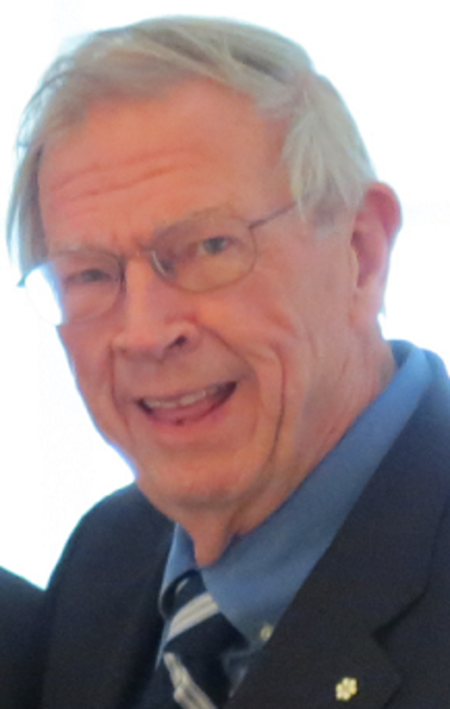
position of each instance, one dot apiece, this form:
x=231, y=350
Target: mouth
x=189, y=407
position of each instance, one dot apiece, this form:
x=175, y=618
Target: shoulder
x=117, y=533
x=122, y=511
x=15, y=592
x=426, y=437
x=20, y=603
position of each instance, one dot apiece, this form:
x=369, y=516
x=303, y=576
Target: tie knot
x=196, y=620
x=196, y=625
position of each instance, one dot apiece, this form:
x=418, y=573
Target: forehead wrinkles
x=65, y=181
x=120, y=144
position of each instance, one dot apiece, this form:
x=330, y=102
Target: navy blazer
x=370, y=628
x=20, y=649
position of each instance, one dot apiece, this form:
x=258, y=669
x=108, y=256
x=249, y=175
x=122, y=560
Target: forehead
x=182, y=148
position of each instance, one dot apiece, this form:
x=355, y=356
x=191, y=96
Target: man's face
x=222, y=400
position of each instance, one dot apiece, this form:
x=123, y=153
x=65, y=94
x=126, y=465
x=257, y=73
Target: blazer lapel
x=130, y=651
x=326, y=648
x=305, y=668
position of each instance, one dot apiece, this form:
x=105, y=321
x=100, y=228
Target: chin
x=193, y=489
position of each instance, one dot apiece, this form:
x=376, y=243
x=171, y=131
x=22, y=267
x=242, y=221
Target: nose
x=156, y=319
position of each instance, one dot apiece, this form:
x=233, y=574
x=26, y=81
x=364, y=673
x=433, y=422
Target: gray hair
x=329, y=166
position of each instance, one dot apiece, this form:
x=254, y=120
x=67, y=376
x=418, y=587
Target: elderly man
x=21, y=654
x=196, y=212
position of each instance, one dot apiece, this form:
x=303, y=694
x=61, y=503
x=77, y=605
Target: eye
x=214, y=245
x=86, y=276
x=81, y=271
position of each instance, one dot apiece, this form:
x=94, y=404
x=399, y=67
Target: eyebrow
x=142, y=243
x=55, y=253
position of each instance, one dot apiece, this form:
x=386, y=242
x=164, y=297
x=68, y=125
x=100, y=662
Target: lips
x=188, y=407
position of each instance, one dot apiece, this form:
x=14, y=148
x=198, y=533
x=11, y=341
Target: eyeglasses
x=197, y=255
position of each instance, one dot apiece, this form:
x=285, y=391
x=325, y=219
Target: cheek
x=84, y=351
x=88, y=353
x=266, y=324
x=267, y=330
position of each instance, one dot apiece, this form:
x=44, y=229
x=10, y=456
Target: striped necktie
x=190, y=672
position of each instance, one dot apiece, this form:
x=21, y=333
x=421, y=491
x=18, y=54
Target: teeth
x=186, y=400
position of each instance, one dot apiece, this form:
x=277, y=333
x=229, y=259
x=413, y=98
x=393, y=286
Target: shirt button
x=266, y=632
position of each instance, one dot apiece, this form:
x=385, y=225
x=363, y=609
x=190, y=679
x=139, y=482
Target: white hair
x=328, y=164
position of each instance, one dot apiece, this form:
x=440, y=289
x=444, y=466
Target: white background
x=391, y=61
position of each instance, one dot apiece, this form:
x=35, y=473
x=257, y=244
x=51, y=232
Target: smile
x=188, y=407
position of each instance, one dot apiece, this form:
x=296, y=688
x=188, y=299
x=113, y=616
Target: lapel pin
x=346, y=689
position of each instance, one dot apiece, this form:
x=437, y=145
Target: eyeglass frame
x=149, y=253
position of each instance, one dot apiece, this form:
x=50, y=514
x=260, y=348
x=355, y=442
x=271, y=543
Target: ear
x=374, y=230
